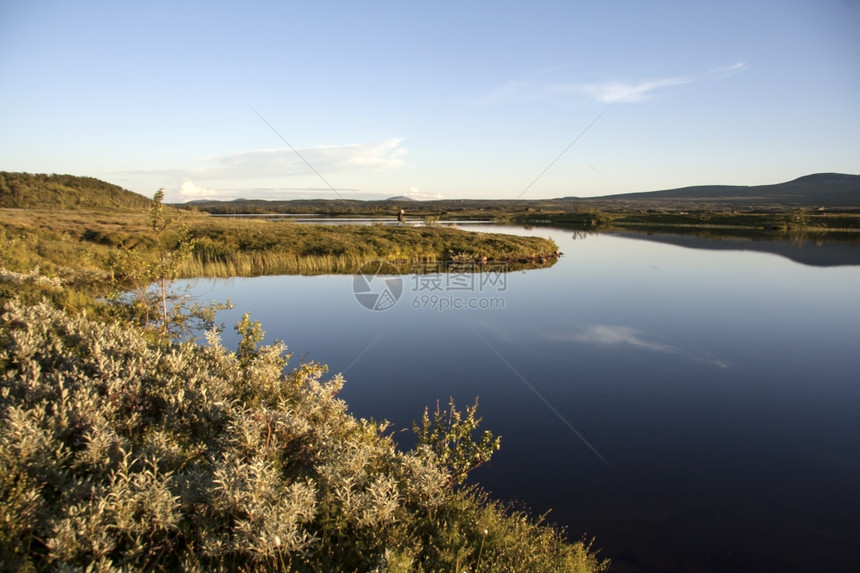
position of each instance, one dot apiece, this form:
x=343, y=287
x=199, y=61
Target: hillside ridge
x=53, y=191
x=815, y=189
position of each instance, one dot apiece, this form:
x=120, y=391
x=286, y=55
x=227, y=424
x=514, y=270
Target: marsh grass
x=68, y=242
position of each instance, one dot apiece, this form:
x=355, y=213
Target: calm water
x=693, y=409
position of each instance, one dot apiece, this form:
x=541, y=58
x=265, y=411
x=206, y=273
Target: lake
x=694, y=405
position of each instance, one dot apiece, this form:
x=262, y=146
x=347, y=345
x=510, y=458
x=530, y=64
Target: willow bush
x=120, y=452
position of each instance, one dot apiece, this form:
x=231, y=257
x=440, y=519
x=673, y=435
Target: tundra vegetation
x=127, y=445
x=123, y=452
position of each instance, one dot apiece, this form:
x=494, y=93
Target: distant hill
x=41, y=191
x=820, y=189
x=400, y=198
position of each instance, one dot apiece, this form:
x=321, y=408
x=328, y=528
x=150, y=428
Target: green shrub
x=122, y=453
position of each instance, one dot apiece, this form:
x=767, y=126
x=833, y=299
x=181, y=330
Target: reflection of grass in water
x=255, y=264
x=258, y=263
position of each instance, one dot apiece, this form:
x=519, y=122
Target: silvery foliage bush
x=119, y=453
x=32, y=278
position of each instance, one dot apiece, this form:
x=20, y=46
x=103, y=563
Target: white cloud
x=418, y=195
x=267, y=171
x=380, y=157
x=608, y=92
x=726, y=71
x=618, y=92
x=311, y=170
x=188, y=191
x=284, y=162
x=604, y=92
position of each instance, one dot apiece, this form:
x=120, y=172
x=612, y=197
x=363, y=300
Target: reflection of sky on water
x=721, y=387
x=609, y=335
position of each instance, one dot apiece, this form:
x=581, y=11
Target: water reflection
x=834, y=250
x=719, y=384
x=609, y=335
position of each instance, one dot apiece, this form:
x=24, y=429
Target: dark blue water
x=693, y=409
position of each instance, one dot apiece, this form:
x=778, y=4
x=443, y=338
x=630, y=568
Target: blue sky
x=429, y=99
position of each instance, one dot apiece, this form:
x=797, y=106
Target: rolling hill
x=820, y=189
x=41, y=191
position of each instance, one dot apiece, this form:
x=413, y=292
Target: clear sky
x=429, y=99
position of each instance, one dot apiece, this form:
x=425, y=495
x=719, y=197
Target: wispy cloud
x=284, y=162
x=607, y=92
x=223, y=176
x=726, y=71
x=617, y=335
x=614, y=91
x=620, y=92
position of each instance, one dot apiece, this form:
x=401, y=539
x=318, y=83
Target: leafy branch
x=448, y=434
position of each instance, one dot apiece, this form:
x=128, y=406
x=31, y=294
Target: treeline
x=44, y=191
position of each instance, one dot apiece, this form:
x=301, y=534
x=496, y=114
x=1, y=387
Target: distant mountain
x=820, y=189
x=400, y=198
x=41, y=191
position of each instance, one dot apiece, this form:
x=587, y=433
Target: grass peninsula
x=128, y=447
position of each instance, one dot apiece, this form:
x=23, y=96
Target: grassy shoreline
x=53, y=236
x=81, y=248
